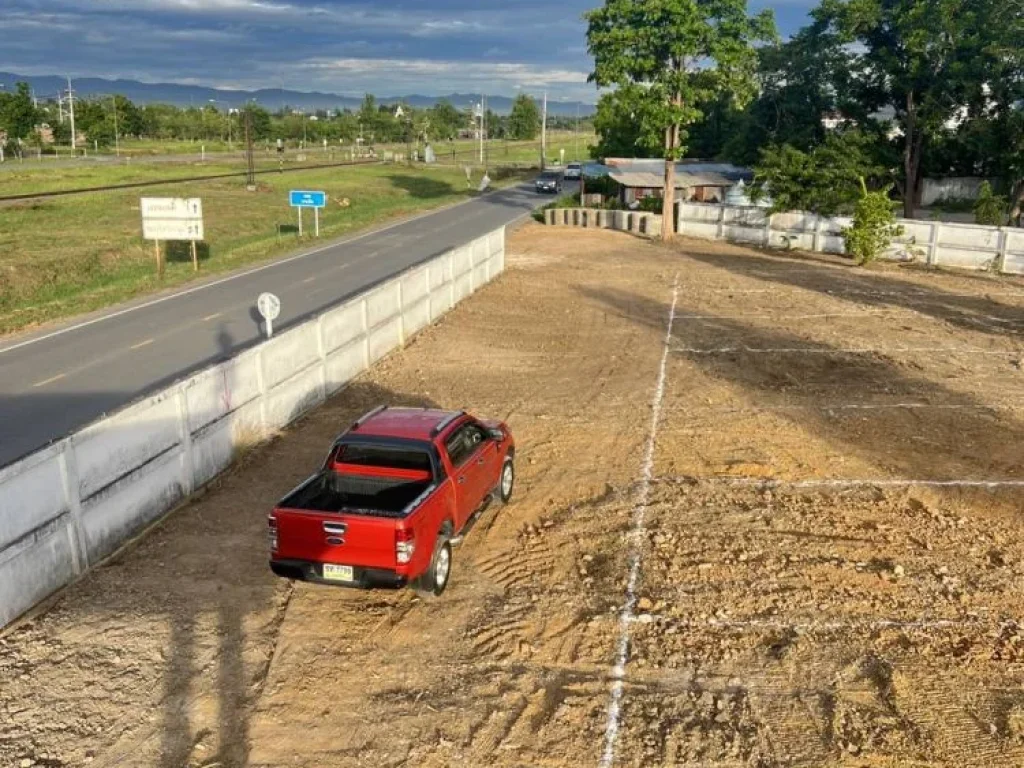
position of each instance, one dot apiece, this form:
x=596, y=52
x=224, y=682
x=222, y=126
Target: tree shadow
x=423, y=187
x=203, y=574
x=975, y=313
x=972, y=442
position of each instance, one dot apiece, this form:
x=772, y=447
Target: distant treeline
x=100, y=120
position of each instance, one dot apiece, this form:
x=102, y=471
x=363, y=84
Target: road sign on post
x=269, y=307
x=172, y=218
x=300, y=199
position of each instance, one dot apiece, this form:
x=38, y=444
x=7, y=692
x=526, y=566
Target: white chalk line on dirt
x=834, y=407
x=840, y=294
x=637, y=536
x=840, y=351
x=837, y=626
x=761, y=482
x=981, y=321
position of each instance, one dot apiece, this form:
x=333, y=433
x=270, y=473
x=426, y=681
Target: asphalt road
x=55, y=381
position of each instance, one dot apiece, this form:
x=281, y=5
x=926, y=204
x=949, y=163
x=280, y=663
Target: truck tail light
x=272, y=522
x=404, y=545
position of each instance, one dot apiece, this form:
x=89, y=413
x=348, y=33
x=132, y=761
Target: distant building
x=45, y=133
x=696, y=180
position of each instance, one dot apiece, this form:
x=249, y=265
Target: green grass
x=64, y=256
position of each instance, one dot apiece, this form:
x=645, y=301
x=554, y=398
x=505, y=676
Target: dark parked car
x=549, y=181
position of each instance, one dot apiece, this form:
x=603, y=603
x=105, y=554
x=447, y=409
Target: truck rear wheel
x=435, y=579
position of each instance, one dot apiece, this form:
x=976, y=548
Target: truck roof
x=405, y=423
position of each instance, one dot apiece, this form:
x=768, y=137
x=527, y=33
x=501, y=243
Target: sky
x=388, y=47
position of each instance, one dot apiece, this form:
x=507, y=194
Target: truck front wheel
x=507, y=481
x=434, y=581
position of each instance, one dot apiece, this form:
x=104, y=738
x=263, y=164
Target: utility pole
x=71, y=108
x=544, y=133
x=482, y=98
x=577, y=137
x=117, y=139
x=60, y=107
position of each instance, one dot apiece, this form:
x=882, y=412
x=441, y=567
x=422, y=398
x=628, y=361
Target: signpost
x=172, y=218
x=269, y=307
x=302, y=199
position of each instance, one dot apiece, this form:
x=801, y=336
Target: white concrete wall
x=68, y=506
x=953, y=188
x=967, y=246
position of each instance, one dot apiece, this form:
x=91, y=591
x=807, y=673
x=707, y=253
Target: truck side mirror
x=496, y=434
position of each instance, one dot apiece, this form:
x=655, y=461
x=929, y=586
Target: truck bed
x=335, y=491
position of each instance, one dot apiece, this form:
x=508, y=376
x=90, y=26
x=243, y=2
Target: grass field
x=35, y=176
x=69, y=255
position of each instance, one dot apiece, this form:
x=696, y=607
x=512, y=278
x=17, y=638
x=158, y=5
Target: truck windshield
x=387, y=456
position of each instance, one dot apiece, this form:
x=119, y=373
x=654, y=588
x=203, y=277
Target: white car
x=573, y=172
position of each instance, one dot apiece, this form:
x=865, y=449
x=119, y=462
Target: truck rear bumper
x=364, y=578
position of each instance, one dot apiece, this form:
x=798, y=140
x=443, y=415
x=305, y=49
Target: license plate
x=338, y=572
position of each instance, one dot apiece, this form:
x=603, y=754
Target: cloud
x=390, y=48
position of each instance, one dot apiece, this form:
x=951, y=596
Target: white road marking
x=52, y=379
x=855, y=292
x=142, y=344
x=238, y=275
x=214, y=316
x=637, y=535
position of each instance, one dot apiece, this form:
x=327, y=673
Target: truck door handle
x=335, y=528
x=480, y=462
x=462, y=479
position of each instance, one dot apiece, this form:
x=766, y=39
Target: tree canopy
x=675, y=56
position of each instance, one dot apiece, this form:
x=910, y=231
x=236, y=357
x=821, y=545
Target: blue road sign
x=300, y=199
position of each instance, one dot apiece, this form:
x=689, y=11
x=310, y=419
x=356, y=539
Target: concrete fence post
x=321, y=351
x=261, y=385
x=768, y=229
x=933, y=244
x=720, y=235
x=1002, y=250
x=366, y=328
x=69, y=481
x=819, y=225
x=549, y=217
x=188, y=472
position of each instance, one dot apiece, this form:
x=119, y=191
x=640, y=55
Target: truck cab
x=396, y=489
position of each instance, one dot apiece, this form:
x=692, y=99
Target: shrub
x=991, y=209
x=874, y=226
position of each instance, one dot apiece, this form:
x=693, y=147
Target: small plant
x=874, y=226
x=991, y=209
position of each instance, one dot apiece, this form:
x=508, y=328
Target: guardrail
x=67, y=507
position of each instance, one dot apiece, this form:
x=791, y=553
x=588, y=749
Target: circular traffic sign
x=269, y=306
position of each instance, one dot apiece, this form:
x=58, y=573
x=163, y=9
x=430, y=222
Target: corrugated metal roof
x=646, y=179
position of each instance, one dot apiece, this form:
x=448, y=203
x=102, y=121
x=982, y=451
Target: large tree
x=918, y=61
x=620, y=116
x=677, y=55
x=18, y=114
x=524, y=122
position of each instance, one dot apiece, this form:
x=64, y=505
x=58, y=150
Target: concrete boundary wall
x=967, y=246
x=66, y=507
x=637, y=222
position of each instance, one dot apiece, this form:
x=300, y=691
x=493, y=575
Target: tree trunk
x=911, y=160
x=1017, y=205
x=668, y=227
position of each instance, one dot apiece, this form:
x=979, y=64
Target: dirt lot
x=816, y=477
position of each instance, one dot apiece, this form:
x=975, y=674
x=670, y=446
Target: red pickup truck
x=397, y=489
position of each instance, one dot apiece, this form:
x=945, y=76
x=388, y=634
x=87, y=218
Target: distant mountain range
x=48, y=86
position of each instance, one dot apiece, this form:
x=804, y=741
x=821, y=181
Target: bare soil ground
x=812, y=591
